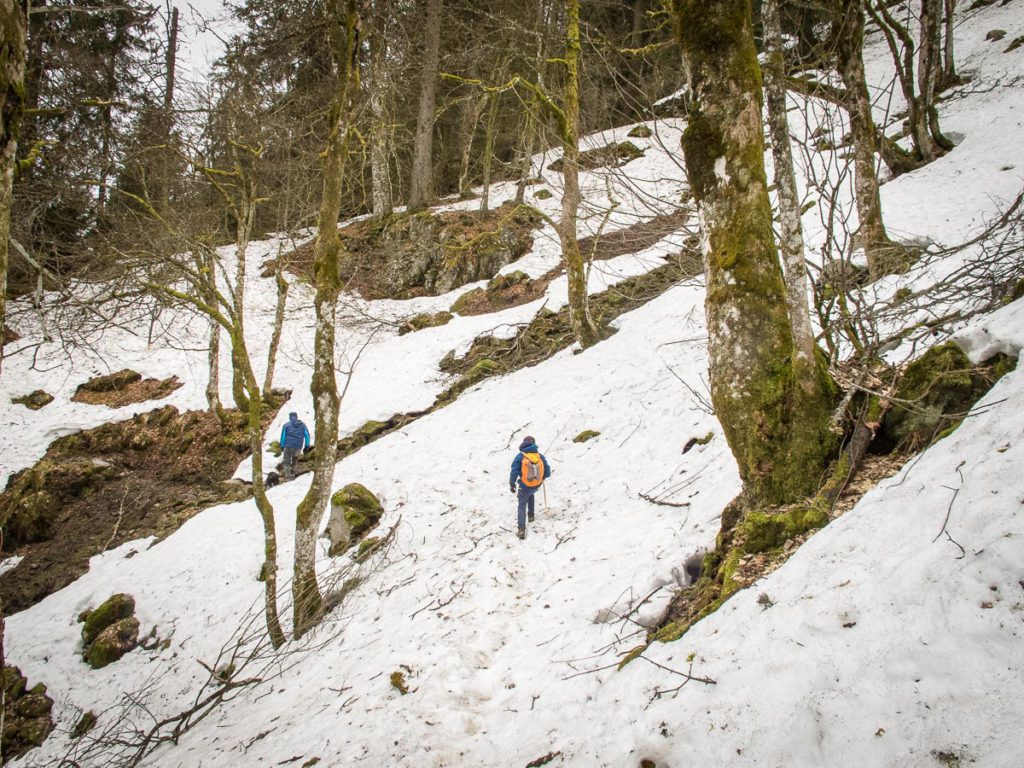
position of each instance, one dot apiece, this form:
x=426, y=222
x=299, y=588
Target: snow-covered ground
x=880, y=642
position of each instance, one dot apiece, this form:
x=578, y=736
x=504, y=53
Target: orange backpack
x=533, y=470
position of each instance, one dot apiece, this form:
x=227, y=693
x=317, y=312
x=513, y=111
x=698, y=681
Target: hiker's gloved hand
x=512, y=488
x=306, y=450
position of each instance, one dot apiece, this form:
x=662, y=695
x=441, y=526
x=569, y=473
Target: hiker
x=294, y=438
x=529, y=470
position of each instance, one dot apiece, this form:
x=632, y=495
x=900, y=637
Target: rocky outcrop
x=27, y=714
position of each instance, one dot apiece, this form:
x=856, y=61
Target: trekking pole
x=545, y=488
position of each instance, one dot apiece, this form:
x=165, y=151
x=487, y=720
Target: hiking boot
x=529, y=517
x=522, y=533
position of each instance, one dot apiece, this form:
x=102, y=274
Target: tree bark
x=13, y=25
x=791, y=236
x=213, y=382
x=929, y=68
x=949, y=73
x=582, y=324
x=774, y=410
x=343, y=30
x=421, y=192
x=380, y=131
x=848, y=34
x=489, y=132
x=275, y=336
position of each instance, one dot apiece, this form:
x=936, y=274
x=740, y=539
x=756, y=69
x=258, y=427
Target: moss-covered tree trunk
x=949, y=74
x=848, y=36
x=421, y=181
x=583, y=327
x=275, y=336
x=791, y=236
x=773, y=409
x=13, y=26
x=343, y=31
x=490, y=129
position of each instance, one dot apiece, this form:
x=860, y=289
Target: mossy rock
x=935, y=393
x=761, y=532
x=467, y=299
x=114, y=609
x=640, y=132
x=274, y=446
x=34, y=400
x=609, y=156
x=543, y=194
x=1017, y=43
x=35, y=497
x=481, y=370
x=85, y=724
x=112, y=382
x=398, y=682
x=425, y=320
x=113, y=643
x=369, y=430
x=502, y=282
x=360, y=508
x=27, y=714
x=585, y=435
x=366, y=548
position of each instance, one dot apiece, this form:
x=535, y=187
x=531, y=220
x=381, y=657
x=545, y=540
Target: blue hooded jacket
x=294, y=434
x=517, y=465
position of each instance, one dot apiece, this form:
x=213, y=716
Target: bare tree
x=343, y=25
x=791, y=238
x=421, y=190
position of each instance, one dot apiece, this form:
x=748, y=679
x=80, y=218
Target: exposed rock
x=353, y=508
x=124, y=388
x=935, y=393
x=612, y=155
x=26, y=716
x=585, y=435
x=1017, y=43
x=112, y=382
x=425, y=253
x=425, y=320
x=640, y=132
x=508, y=280
x=113, y=643
x=34, y=400
x=35, y=497
x=995, y=35
x=467, y=299
x=543, y=194
x=85, y=724
x=112, y=610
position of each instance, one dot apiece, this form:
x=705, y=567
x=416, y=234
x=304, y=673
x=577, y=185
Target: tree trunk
x=471, y=109
x=12, y=106
x=929, y=68
x=275, y=336
x=490, y=130
x=776, y=422
x=848, y=34
x=791, y=236
x=380, y=130
x=421, y=192
x=949, y=74
x=582, y=324
x=213, y=382
x=343, y=31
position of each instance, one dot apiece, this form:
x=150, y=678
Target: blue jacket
x=517, y=465
x=294, y=434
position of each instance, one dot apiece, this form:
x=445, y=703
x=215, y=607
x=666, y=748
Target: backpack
x=533, y=470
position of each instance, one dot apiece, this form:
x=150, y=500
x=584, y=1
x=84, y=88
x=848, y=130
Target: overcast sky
x=197, y=50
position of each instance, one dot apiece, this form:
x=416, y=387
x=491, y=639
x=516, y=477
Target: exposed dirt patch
x=99, y=488
x=123, y=388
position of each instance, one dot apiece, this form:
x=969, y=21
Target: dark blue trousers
x=526, y=502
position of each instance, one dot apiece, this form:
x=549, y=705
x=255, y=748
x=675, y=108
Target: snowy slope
x=885, y=642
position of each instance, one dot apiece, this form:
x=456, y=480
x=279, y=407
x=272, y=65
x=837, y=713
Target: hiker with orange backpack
x=529, y=470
